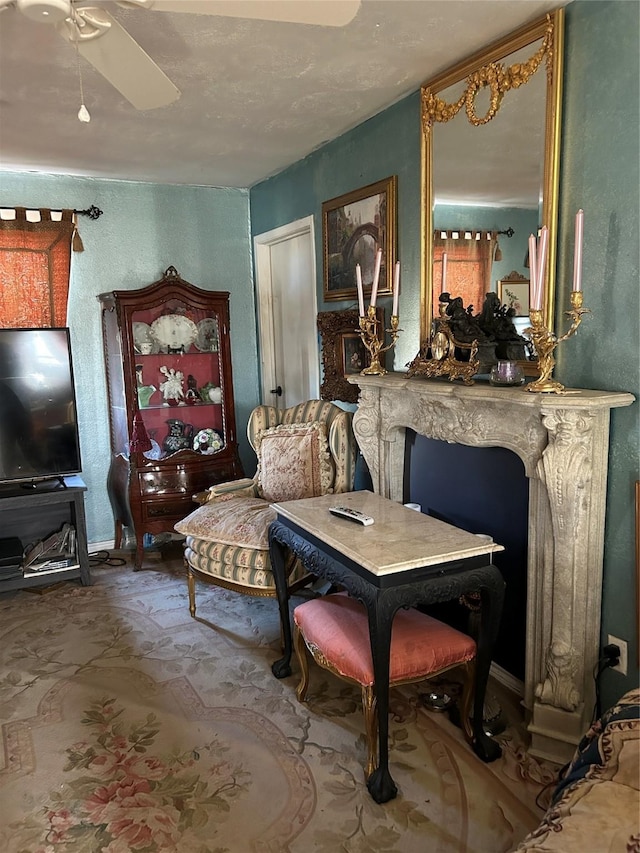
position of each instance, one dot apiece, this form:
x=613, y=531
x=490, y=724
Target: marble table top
x=399, y=539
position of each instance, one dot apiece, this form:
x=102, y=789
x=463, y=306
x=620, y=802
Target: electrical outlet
x=622, y=665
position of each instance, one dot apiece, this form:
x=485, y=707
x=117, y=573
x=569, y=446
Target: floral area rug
x=129, y=726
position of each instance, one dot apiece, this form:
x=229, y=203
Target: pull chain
x=83, y=112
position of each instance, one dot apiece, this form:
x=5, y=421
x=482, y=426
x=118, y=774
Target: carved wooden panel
x=343, y=353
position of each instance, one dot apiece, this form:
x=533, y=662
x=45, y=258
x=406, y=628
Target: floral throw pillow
x=294, y=462
x=242, y=522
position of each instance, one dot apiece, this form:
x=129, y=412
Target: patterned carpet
x=129, y=726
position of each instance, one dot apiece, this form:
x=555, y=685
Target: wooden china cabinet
x=171, y=408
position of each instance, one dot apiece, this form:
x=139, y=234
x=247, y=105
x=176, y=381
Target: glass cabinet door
x=178, y=378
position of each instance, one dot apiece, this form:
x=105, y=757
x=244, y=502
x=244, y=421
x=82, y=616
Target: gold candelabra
x=375, y=345
x=545, y=342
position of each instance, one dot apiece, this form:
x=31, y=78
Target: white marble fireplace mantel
x=563, y=441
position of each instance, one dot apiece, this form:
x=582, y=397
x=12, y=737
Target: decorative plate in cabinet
x=174, y=332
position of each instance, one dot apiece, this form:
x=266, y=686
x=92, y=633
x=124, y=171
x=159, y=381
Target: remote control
x=351, y=515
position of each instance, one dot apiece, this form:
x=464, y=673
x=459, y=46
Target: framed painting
x=513, y=292
x=354, y=354
x=343, y=353
x=354, y=227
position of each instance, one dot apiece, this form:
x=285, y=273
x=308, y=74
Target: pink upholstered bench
x=335, y=630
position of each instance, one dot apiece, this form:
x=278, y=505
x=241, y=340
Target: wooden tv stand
x=33, y=512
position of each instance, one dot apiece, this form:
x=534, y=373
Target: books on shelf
x=54, y=554
x=51, y=561
x=49, y=567
x=57, y=553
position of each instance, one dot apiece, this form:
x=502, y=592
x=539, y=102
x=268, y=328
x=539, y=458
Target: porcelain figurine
x=145, y=392
x=172, y=387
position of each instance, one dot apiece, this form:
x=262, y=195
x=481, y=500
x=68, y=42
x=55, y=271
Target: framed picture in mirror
x=513, y=293
x=354, y=227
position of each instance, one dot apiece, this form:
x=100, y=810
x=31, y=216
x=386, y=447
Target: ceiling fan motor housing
x=46, y=11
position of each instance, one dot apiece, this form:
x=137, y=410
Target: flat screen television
x=38, y=417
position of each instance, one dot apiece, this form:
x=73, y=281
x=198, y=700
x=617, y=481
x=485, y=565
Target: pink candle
x=542, y=261
x=360, y=290
x=577, y=251
x=533, y=272
x=376, y=276
x=396, y=289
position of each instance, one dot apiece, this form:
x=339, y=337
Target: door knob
x=277, y=391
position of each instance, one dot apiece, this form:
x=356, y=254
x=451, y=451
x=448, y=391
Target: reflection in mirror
x=512, y=294
x=490, y=145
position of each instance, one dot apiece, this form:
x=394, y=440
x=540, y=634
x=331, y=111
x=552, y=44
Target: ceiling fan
x=103, y=42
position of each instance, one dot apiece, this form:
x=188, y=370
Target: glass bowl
x=506, y=373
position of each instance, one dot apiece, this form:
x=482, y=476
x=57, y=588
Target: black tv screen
x=38, y=420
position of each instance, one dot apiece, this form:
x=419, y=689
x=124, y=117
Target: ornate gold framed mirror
x=490, y=163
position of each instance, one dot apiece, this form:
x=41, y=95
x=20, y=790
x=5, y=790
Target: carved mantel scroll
x=563, y=443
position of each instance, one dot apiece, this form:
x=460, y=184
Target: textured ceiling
x=256, y=95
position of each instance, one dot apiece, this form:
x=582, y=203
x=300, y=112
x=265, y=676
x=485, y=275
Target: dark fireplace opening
x=482, y=490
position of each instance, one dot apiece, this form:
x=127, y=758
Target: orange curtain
x=35, y=262
x=469, y=261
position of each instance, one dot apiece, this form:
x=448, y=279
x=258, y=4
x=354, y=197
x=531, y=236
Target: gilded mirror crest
x=490, y=151
x=497, y=77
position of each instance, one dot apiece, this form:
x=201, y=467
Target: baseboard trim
x=507, y=680
x=107, y=545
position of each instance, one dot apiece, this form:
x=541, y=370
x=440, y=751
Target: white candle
x=376, y=276
x=396, y=289
x=360, y=290
x=533, y=272
x=577, y=252
x=542, y=261
x=444, y=273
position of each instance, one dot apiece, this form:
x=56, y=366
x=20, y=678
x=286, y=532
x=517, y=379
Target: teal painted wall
x=600, y=174
x=388, y=144
x=145, y=228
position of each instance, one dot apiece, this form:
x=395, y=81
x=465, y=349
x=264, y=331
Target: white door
x=287, y=311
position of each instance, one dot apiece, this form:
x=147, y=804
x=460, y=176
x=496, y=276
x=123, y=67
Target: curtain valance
x=35, y=262
x=464, y=234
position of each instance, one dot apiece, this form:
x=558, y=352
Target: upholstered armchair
x=304, y=451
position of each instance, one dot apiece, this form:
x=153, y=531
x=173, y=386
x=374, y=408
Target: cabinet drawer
x=180, y=481
x=157, y=510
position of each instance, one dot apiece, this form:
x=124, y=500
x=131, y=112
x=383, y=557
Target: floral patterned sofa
x=303, y=451
x=596, y=805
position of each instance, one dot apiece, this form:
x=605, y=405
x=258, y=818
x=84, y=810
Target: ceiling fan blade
x=122, y=62
x=327, y=13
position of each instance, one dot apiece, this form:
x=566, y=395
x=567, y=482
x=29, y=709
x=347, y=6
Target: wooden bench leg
x=191, y=585
x=370, y=711
x=300, y=648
